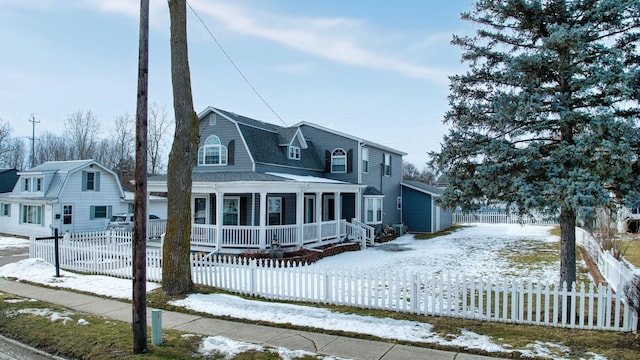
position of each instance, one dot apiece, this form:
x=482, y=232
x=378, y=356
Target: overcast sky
x=376, y=69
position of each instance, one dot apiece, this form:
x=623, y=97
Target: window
x=5, y=209
x=294, y=152
x=67, y=213
x=26, y=184
x=373, y=210
x=213, y=152
x=338, y=161
x=100, y=212
x=213, y=119
x=399, y=203
x=386, y=166
x=31, y=214
x=200, y=210
x=274, y=208
x=38, y=184
x=365, y=160
x=309, y=209
x=231, y=211
x=90, y=181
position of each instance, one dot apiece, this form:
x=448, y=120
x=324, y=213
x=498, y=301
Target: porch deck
x=233, y=239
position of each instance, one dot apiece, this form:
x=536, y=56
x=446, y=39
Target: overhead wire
x=224, y=52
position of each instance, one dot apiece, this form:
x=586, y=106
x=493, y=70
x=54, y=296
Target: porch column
x=219, y=217
x=319, y=215
x=263, y=220
x=358, y=204
x=337, y=209
x=300, y=218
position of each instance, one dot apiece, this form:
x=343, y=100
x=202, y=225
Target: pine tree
x=544, y=118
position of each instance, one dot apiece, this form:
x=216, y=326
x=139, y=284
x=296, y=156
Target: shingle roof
x=59, y=166
x=423, y=187
x=372, y=191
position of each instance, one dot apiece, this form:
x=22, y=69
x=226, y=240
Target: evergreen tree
x=544, y=119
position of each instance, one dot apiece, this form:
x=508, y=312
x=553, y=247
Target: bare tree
x=159, y=126
x=82, y=130
x=5, y=139
x=12, y=150
x=176, y=267
x=52, y=147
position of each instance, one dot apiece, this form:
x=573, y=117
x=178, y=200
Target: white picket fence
x=488, y=299
x=616, y=272
x=500, y=218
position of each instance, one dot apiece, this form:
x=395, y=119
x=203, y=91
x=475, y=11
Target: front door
x=66, y=221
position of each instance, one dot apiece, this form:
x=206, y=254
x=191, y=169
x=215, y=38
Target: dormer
x=293, y=140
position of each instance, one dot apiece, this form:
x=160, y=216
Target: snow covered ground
x=473, y=250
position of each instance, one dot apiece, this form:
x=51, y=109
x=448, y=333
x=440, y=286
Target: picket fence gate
x=519, y=301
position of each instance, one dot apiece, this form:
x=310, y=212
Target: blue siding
x=227, y=132
x=417, y=210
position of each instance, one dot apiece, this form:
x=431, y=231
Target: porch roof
x=256, y=182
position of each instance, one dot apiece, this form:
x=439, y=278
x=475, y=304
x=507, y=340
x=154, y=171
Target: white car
x=124, y=221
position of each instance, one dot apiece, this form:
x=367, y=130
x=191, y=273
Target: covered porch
x=272, y=211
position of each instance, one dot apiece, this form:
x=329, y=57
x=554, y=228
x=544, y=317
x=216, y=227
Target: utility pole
x=33, y=139
x=139, y=325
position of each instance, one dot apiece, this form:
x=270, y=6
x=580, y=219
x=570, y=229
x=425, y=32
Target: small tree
x=82, y=128
x=605, y=231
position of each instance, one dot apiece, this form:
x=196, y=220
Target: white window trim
x=335, y=154
x=223, y=158
x=237, y=199
x=386, y=169
x=269, y=200
x=294, y=152
x=5, y=209
x=365, y=160
x=376, y=200
x=25, y=213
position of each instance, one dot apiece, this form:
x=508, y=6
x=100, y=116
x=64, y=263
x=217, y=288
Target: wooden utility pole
x=139, y=324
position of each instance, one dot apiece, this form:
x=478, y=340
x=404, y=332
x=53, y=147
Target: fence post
x=414, y=293
x=56, y=251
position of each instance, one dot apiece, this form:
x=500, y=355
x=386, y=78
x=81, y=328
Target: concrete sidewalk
x=322, y=344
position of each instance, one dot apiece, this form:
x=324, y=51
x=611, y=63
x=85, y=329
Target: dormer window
x=338, y=161
x=26, y=184
x=212, y=153
x=294, y=152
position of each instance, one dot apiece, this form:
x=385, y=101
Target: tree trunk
x=176, y=264
x=567, y=246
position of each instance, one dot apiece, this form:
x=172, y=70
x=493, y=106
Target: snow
x=475, y=251
x=472, y=250
x=7, y=242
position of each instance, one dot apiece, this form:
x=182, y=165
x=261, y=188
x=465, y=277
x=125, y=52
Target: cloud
x=338, y=39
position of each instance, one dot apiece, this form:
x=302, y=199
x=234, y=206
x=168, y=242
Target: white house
x=72, y=196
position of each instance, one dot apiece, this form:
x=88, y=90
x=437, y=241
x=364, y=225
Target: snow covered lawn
x=473, y=250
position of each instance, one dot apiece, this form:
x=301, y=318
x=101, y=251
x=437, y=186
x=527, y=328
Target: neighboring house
x=257, y=183
x=68, y=195
x=8, y=179
x=156, y=205
x=420, y=213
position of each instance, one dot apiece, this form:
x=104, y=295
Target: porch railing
x=370, y=232
x=238, y=238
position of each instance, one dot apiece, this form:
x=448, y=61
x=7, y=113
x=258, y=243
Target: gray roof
x=372, y=191
x=424, y=187
x=59, y=166
x=264, y=147
x=227, y=176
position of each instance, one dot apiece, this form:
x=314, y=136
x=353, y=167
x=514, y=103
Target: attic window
x=294, y=152
x=212, y=119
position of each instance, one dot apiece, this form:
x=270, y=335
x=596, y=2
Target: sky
x=375, y=69
x=447, y=248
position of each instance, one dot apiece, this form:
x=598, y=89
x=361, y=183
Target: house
x=8, y=179
x=257, y=184
x=71, y=196
x=420, y=213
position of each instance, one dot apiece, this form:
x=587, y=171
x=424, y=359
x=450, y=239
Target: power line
x=234, y=65
x=33, y=139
